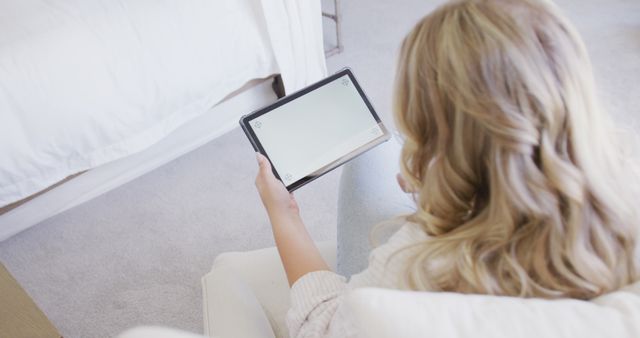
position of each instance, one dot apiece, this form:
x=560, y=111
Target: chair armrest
x=251, y=288
x=231, y=309
x=369, y=194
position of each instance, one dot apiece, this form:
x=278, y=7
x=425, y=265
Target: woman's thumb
x=263, y=163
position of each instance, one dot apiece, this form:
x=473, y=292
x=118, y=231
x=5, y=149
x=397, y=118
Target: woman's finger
x=265, y=173
x=262, y=161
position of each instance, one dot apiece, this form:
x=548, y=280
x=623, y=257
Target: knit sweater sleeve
x=314, y=300
x=316, y=296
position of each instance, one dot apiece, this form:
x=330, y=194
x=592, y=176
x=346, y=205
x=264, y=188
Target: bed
x=94, y=93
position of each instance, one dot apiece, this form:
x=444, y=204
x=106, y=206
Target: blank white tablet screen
x=308, y=133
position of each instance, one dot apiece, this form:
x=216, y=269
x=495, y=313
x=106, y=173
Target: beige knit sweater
x=315, y=296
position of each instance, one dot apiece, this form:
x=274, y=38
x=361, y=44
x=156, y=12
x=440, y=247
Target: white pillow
x=383, y=313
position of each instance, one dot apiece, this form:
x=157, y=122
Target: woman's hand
x=275, y=197
x=298, y=253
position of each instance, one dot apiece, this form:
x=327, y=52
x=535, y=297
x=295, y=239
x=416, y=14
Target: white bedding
x=85, y=82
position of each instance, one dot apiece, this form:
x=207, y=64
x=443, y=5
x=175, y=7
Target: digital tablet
x=315, y=130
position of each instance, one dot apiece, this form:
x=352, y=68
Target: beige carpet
x=135, y=255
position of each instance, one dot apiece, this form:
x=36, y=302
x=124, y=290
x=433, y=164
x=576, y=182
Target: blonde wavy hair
x=517, y=180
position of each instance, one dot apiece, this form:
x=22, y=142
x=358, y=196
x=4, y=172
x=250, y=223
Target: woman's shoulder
x=407, y=233
x=387, y=261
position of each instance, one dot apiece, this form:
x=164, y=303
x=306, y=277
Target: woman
x=519, y=188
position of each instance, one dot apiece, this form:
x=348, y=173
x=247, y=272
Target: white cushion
x=247, y=290
x=383, y=313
